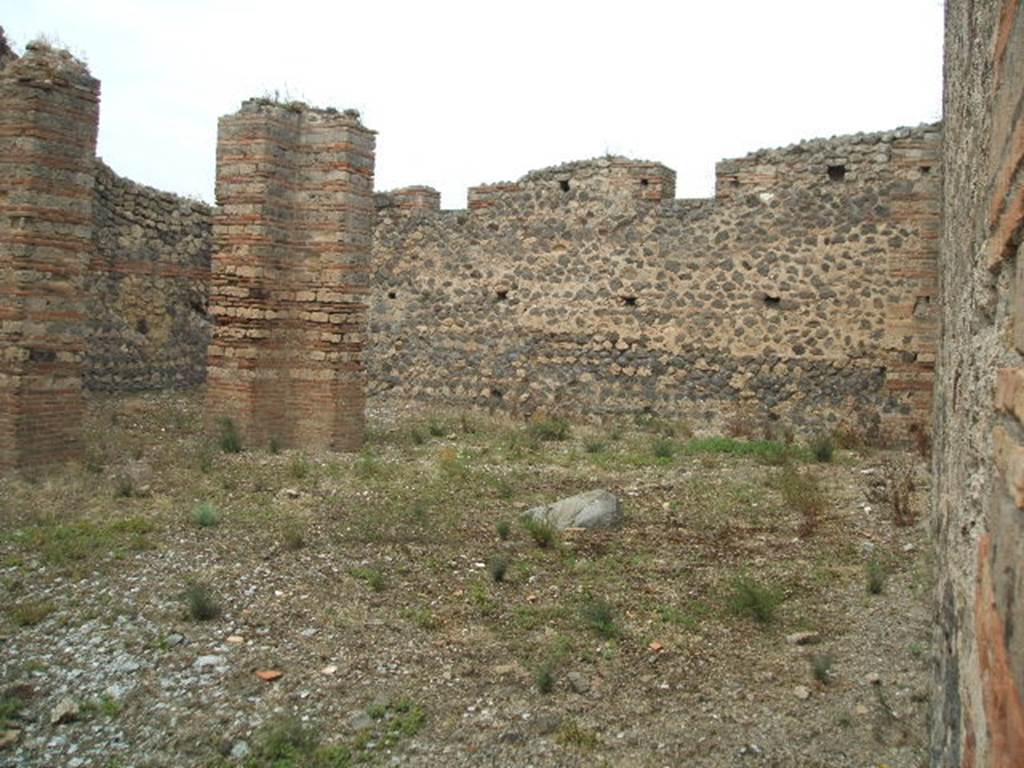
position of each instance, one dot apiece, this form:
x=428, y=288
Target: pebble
x=235, y=639
x=360, y=721
x=174, y=639
x=873, y=678
x=240, y=750
x=65, y=712
x=578, y=682
x=803, y=638
x=802, y=692
x=208, y=662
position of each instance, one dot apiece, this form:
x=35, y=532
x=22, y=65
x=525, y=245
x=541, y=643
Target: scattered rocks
x=593, y=509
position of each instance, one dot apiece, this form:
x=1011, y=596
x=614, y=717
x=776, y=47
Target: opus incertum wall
x=802, y=294
x=48, y=120
x=978, y=491
x=290, y=274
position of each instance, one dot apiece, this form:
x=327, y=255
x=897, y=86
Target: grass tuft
x=542, y=532
x=201, y=603
x=206, y=515
x=504, y=529
x=822, y=447
x=498, y=567
x=875, y=576
x=750, y=599
x=230, y=440
x=549, y=429
x=599, y=615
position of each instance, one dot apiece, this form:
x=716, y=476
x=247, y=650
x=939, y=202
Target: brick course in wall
x=803, y=293
x=290, y=274
x=978, y=490
x=47, y=144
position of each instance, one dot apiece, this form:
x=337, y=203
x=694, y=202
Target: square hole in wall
x=628, y=301
x=836, y=172
x=644, y=183
x=564, y=185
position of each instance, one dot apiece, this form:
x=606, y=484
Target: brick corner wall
x=49, y=107
x=290, y=274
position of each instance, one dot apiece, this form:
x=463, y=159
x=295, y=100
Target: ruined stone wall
x=48, y=121
x=147, y=287
x=802, y=293
x=978, y=488
x=290, y=274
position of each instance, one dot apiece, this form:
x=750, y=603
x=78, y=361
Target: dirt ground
x=146, y=594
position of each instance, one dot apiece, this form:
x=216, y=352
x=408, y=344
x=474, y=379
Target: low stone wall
x=978, y=718
x=147, y=288
x=800, y=294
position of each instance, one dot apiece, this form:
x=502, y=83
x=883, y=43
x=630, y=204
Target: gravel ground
x=362, y=585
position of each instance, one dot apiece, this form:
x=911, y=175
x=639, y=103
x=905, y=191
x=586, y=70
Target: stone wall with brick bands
x=48, y=125
x=290, y=274
x=978, y=490
x=798, y=295
x=147, y=287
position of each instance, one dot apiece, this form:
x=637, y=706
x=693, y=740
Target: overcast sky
x=463, y=93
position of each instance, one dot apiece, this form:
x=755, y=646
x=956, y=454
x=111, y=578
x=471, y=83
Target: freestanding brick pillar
x=290, y=274
x=49, y=109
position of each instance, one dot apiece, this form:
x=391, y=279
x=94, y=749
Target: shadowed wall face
x=290, y=274
x=47, y=144
x=979, y=415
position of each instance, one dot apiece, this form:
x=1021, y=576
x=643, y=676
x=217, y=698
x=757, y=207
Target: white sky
x=463, y=93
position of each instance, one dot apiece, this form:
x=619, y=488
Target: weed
x=748, y=598
x=124, y=487
x=900, y=485
x=504, y=528
x=801, y=492
x=83, y=541
x=663, y=448
x=274, y=446
x=544, y=676
x=230, y=440
x=416, y=437
x=206, y=515
x=293, y=535
x=822, y=448
x=105, y=706
x=10, y=706
x=594, y=446
x=599, y=615
x=843, y=719
x=436, y=428
x=398, y=719
x=30, y=614
x=498, y=567
x=299, y=468
x=548, y=429
x=572, y=734
x=424, y=618
x=875, y=575
x=542, y=532
x=688, y=619
x=201, y=603
x=373, y=577
x=204, y=458
x=821, y=668
x=766, y=450
x=484, y=603
x=284, y=739
x=367, y=466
